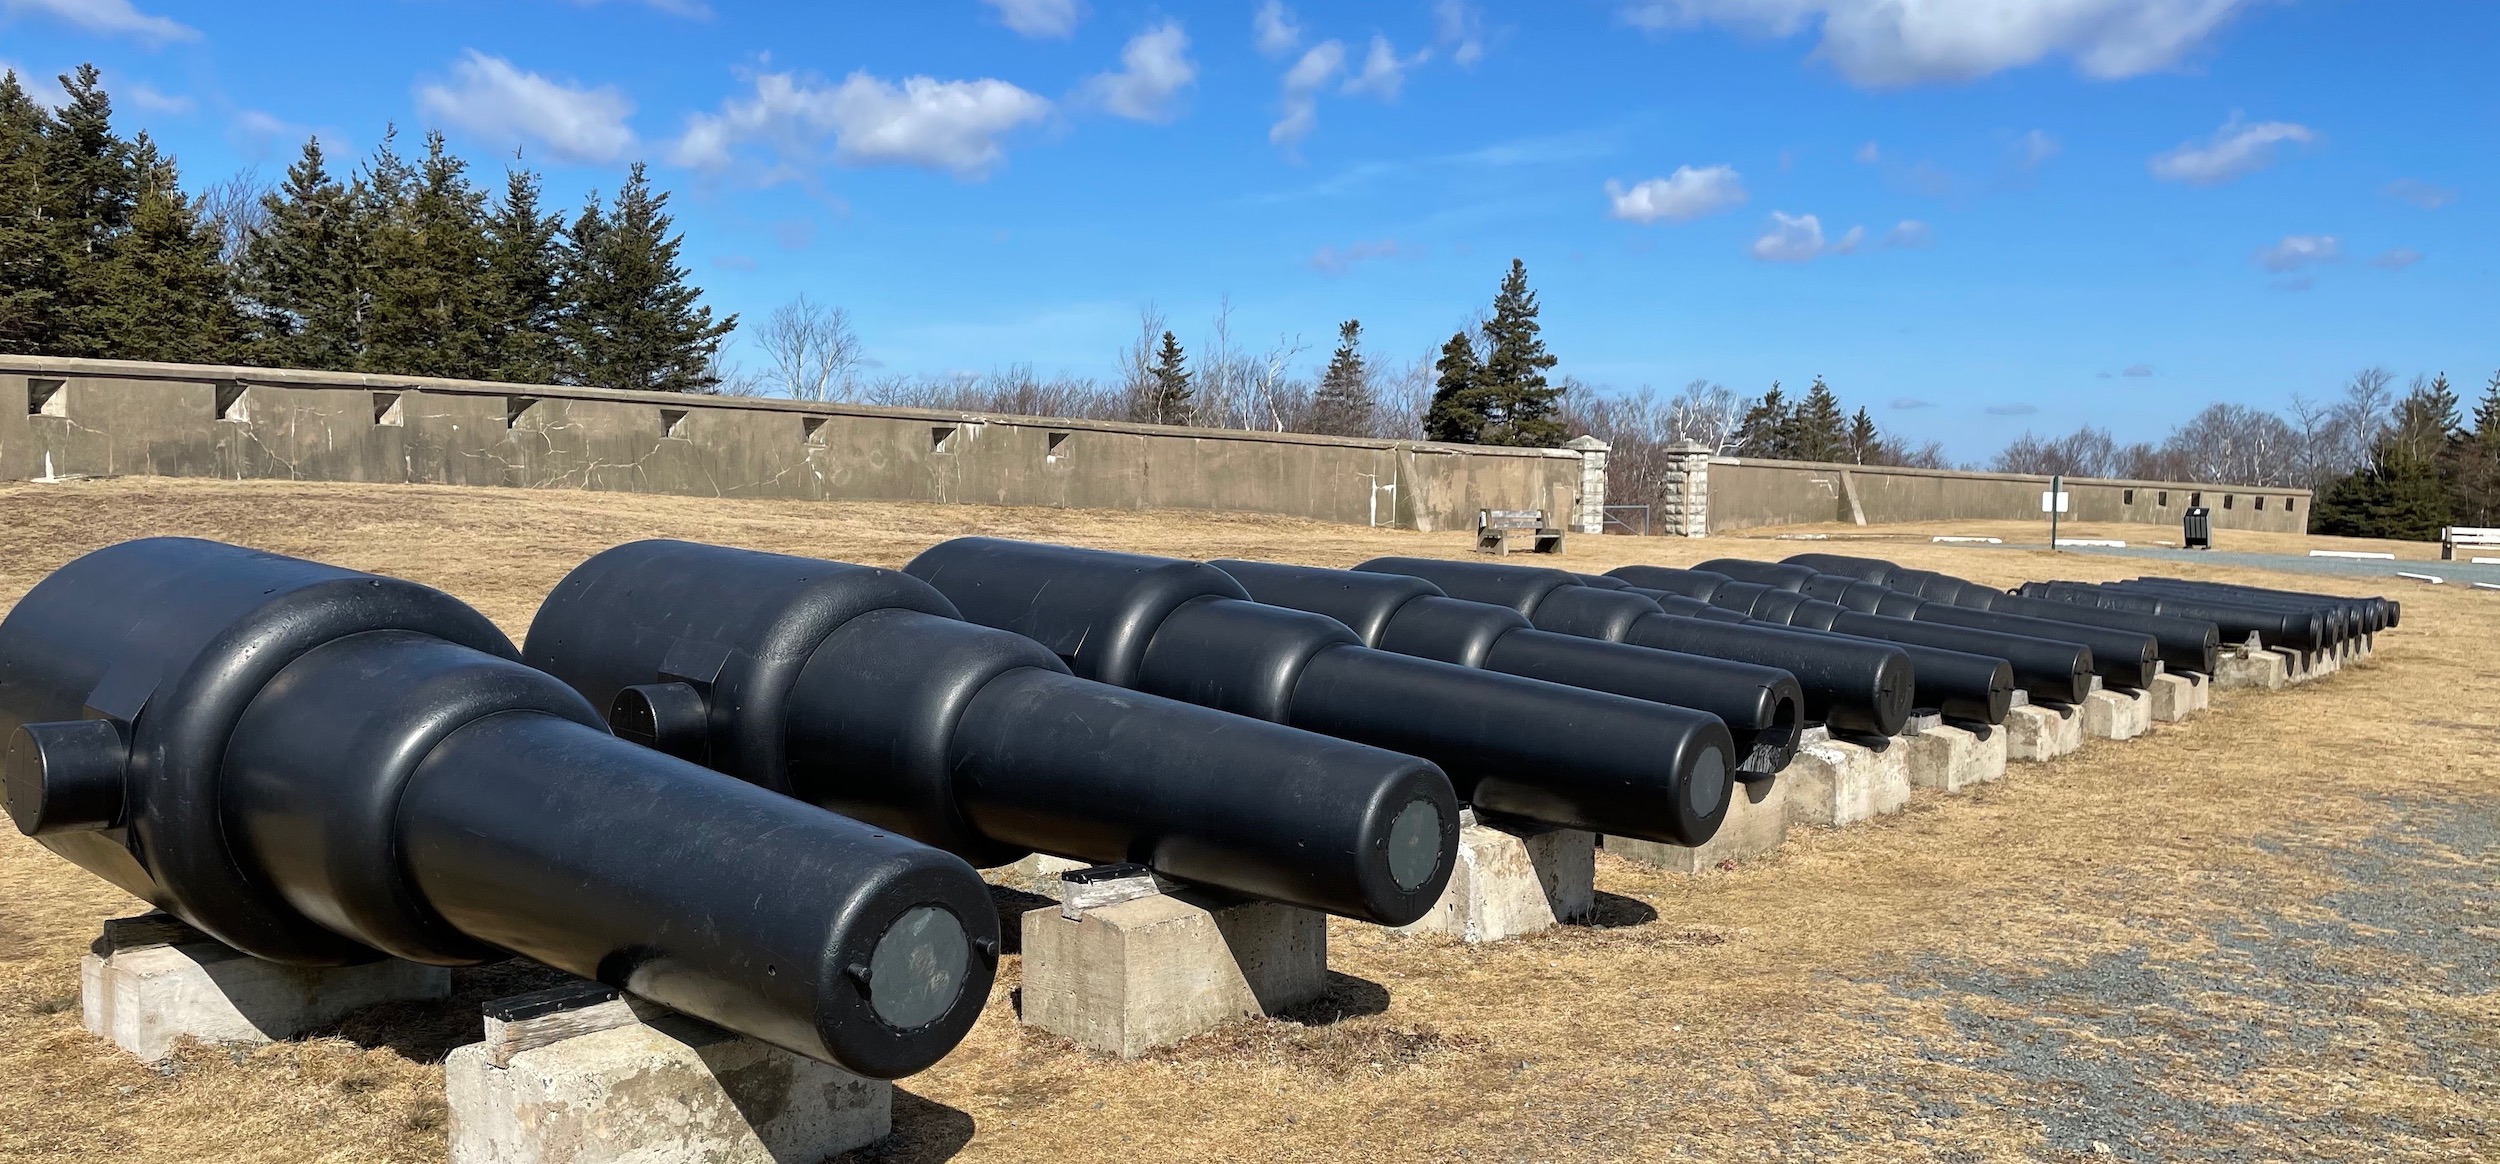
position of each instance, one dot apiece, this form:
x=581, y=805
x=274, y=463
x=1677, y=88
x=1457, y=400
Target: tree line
x=2382, y=463
x=402, y=266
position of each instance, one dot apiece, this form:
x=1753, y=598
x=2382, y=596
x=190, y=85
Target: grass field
x=2268, y=933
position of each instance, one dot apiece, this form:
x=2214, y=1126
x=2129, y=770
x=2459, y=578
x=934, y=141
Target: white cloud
x=1908, y=42
x=1459, y=27
x=1848, y=244
x=1300, y=98
x=2397, y=259
x=945, y=125
x=2420, y=193
x=1682, y=196
x=1056, y=19
x=2033, y=150
x=2137, y=370
x=1332, y=261
x=490, y=96
x=1790, y=239
x=1909, y=234
x=1154, y=68
x=1384, y=71
x=1870, y=153
x=148, y=100
x=1274, y=29
x=2236, y=149
x=2300, y=250
x=107, y=17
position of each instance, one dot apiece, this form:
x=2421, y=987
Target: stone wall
x=1745, y=493
x=66, y=419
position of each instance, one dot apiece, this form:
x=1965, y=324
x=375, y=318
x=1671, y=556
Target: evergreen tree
x=631, y=320
x=2398, y=495
x=1456, y=415
x=2477, y=489
x=29, y=275
x=91, y=186
x=1168, y=393
x=425, y=233
x=1866, y=444
x=1518, y=406
x=1344, y=403
x=162, y=291
x=302, y=274
x=1767, y=425
x=1818, y=431
x=524, y=302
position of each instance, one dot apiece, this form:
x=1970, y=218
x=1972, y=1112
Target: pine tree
x=1344, y=404
x=1168, y=393
x=2477, y=490
x=1866, y=444
x=425, y=230
x=2398, y=495
x=1456, y=415
x=163, y=292
x=631, y=320
x=524, y=302
x=1767, y=425
x=1518, y=405
x=302, y=275
x=29, y=278
x=1818, y=431
x=93, y=187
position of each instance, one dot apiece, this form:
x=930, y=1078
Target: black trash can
x=2197, y=528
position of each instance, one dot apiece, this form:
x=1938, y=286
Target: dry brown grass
x=2265, y=934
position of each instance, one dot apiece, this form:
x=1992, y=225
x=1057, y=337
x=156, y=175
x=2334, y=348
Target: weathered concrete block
x=1036, y=873
x=2173, y=698
x=1127, y=978
x=144, y=992
x=2038, y=733
x=662, y=1089
x=1836, y=783
x=1756, y=823
x=2303, y=666
x=2244, y=667
x=2110, y=714
x=1513, y=878
x=1952, y=758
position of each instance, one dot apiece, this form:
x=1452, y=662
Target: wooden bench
x=2469, y=536
x=1496, y=527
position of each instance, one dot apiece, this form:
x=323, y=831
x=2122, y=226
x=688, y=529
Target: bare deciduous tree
x=815, y=353
x=234, y=208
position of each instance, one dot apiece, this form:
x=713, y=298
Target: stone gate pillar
x=1685, y=497
x=1590, y=515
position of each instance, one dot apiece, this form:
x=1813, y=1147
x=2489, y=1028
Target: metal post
x=2057, y=490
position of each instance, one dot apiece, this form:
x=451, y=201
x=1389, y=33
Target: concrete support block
x=1036, y=873
x=2247, y=667
x=1951, y=758
x=1756, y=823
x=1513, y=878
x=2174, y=697
x=2038, y=733
x=2110, y=714
x=655, y=1087
x=1836, y=783
x=1127, y=978
x=152, y=980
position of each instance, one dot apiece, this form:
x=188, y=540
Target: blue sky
x=1984, y=216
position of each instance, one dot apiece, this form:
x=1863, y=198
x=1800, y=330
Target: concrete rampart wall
x=72, y=418
x=1745, y=493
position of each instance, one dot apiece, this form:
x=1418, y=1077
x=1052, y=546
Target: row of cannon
x=755, y=788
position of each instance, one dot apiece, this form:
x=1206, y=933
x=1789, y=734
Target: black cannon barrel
x=1875, y=570
x=860, y=690
x=1966, y=676
x=2375, y=610
x=2305, y=630
x=2181, y=644
x=1698, y=584
x=2122, y=657
x=1761, y=706
x=1186, y=630
x=1775, y=574
x=2050, y=670
x=320, y=767
x=1856, y=688
x=2345, y=618
x=2185, y=644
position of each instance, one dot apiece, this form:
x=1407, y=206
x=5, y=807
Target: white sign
x=2056, y=502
